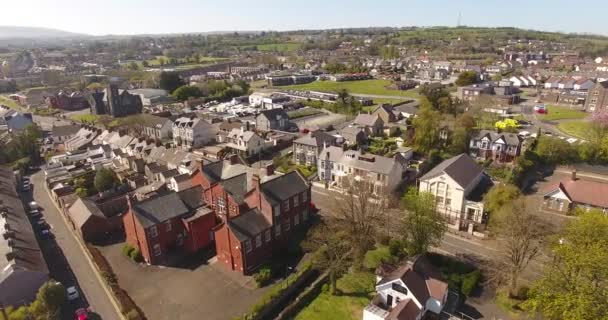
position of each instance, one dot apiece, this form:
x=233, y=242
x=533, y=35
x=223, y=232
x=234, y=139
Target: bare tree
x=332, y=250
x=361, y=212
x=521, y=233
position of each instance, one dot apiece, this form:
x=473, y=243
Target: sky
x=181, y=16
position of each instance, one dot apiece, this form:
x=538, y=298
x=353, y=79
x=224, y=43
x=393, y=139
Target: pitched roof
x=404, y=310
x=82, y=210
x=366, y=119
x=509, y=138
x=248, y=224
x=274, y=114
x=67, y=130
x=316, y=139
x=192, y=197
x=582, y=191
x=284, y=187
x=159, y=209
x=367, y=161
x=462, y=168
x=236, y=187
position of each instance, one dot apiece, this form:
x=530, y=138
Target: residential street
x=67, y=260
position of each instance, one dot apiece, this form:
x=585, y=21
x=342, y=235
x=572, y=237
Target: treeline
x=23, y=149
x=219, y=90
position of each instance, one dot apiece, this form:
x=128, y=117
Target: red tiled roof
x=583, y=191
x=404, y=310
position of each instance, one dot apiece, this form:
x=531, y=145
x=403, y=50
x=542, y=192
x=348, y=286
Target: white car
x=33, y=205
x=72, y=293
x=524, y=134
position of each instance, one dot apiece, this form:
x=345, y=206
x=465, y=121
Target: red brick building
x=169, y=225
x=257, y=214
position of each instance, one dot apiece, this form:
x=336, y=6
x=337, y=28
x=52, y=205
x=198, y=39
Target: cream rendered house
x=458, y=185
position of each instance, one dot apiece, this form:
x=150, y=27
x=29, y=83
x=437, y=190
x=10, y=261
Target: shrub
x=263, y=276
x=136, y=256
x=127, y=250
x=325, y=288
x=383, y=240
x=522, y=293
x=395, y=247
x=469, y=282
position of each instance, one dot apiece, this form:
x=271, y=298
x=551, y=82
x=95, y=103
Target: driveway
x=207, y=291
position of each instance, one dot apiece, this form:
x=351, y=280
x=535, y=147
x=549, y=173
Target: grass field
x=9, y=103
x=357, y=289
x=376, y=87
x=561, y=113
x=183, y=63
x=579, y=129
x=85, y=118
x=279, y=47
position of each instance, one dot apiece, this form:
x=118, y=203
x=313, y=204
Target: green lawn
x=88, y=118
x=560, y=113
x=577, y=129
x=279, y=47
x=9, y=103
x=183, y=63
x=357, y=289
x=374, y=86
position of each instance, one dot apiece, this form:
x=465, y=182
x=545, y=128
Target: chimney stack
x=234, y=159
x=573, y=177
x=269, y=169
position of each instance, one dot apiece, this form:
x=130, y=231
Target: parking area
x=206, y=291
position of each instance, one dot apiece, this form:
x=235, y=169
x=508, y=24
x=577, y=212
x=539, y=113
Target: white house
x=407, y=292
x=337, y=166
x=179, y=182
x=246, y=143
x=523, y=81
x=458, y=185
x=193, y=132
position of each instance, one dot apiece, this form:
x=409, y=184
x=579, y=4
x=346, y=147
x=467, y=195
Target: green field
x=375, y=87
x=183, y=63
x=357, y=289
x=9, y=102
x=579, y=129
x=561, y=113
x=279, y=47
x=85, y=118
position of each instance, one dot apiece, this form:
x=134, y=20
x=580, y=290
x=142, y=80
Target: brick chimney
x=234, y=159
x=269, y=169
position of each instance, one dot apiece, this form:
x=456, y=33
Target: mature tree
x=598, y=129
x=466, y=78
x=49, y=301
x=359, y=212
x=499, y=196
x=145, y=64
x=573, y=285
x=133, y=66
x=104, y=179
x=332, y=249
x=423, y=226
x=553, y=150
x=170, y=81
x=521, y=233
x=185, y=92
x=426, y=127
x=433, y=92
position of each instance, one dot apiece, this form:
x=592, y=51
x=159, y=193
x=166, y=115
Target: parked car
x=33, y=205
x=47, y=234
x=72, y=293
x=81, y=314
x=42, y=224
x=35, y=214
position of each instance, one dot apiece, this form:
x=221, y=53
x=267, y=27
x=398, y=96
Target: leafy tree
x=185, y=92
x=466, y=78
x=170, y=81
x=499, y=196
x=104, y=179
x=145, y=64
x=49, y=301
x=522, y=233
x=573, y=285
x=133, y=66
x=555, y=151
x=433, y=92
x=426, y=127
x=423, y=226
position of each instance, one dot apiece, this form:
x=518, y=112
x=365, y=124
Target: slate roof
x=181, y=177
x=284, y=187
x=248, y=225
x=462, y=168
x=272, y=114
x=157, y=210
x=367, y=161
x=366, y=119
x=511, y=139
x=82, y=210
x=236, y=187
x=27, y=252
x=192, y=197
x=316, y=139
x=67, y=130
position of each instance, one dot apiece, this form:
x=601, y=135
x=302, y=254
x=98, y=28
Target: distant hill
x=12, y=32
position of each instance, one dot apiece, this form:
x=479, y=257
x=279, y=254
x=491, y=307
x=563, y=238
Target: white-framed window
x=277, y=211
x=277, y=230
x=221, y=205
x=153, y=232
x=296, y=219
x=258, y=240
x=286, y=205
x=247, y=246
x=168, y=225
x=267, y=235
x=157, y=251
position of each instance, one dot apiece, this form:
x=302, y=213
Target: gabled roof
x=582, y=191
x=367, y=119
x=284, y=187
x=67, y=130
x=274, y=114
x=248, y=224
x=236, y=187
x=461, y=168
x=316, y=139
x=509, y=138
x=157, y=210
x=192, y=197
x=404, y=310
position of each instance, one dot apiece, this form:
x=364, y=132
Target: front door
x=389, y=301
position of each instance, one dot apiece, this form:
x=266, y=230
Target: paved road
x=71, y=264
